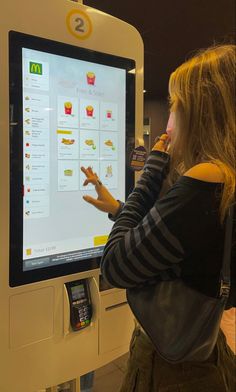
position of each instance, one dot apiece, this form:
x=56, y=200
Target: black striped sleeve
x=135, y=255
x=148, y=187
x=140, y=245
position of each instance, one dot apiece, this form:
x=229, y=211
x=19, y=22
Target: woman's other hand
x=105, y=201
x=162, y=143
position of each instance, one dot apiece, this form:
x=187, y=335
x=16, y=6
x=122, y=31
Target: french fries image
x=89, y=110
x=91, y=78
x=68, y=107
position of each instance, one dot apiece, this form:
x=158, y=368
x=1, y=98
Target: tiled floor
x=109, y=377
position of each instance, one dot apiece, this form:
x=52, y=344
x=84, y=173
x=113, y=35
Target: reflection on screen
x=73, y=116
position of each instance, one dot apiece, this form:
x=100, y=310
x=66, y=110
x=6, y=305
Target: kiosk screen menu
x=73, y=113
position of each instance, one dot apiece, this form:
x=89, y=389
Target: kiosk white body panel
x=38, y=348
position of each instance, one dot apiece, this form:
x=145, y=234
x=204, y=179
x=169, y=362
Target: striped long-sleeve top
x=177, y=235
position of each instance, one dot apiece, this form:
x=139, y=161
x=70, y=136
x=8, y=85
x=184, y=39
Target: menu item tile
x=35, y=134
x=36, y=118
x=36, y=212
x=89, y=114
x=89, y=144
x=32, y=178
x=36, y=190
x=35, y=100
x=95, y=167
x=67, y=142
x=34, y=201
x=68, y=175
x=36, y=155
x=108, y=116
x=109, y=174
x=35, y=167
x=68, y=112
x=108, y=145
x=38, y=145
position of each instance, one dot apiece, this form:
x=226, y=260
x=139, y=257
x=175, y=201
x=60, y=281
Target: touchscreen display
x=69, y=107
x=73, y=116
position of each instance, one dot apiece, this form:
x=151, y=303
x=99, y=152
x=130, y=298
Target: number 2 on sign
x=80, y=26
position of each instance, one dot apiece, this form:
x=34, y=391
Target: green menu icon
x=36, y=68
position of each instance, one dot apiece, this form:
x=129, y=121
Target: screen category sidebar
x=74, y=114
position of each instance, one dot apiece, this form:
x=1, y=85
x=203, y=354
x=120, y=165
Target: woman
x=181, y=233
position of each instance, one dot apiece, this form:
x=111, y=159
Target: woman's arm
x=105, y=201
x=140, y=245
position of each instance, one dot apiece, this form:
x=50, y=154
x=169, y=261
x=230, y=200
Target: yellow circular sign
x=79, y=24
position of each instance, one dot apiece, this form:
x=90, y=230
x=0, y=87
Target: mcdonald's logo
x=36, y=68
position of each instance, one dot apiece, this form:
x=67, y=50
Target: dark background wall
x=171, y=30
x=158, y=112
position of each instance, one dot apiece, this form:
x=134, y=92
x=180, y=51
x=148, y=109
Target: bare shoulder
x=208, y=172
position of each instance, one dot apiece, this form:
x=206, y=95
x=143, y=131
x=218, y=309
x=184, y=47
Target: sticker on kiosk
x=138, y=158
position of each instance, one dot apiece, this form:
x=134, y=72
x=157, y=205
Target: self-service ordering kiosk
x=71, y=92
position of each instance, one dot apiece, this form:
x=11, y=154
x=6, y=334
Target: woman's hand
x=105, y=201
x=162, y=143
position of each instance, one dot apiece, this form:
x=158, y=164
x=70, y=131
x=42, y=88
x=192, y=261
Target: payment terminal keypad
x=80, y=304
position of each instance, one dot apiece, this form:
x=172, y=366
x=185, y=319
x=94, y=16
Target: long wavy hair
x=202, y=97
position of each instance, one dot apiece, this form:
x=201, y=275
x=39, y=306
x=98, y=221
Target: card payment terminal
x=80, y=304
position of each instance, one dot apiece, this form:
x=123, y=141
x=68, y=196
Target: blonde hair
x=202, y=95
